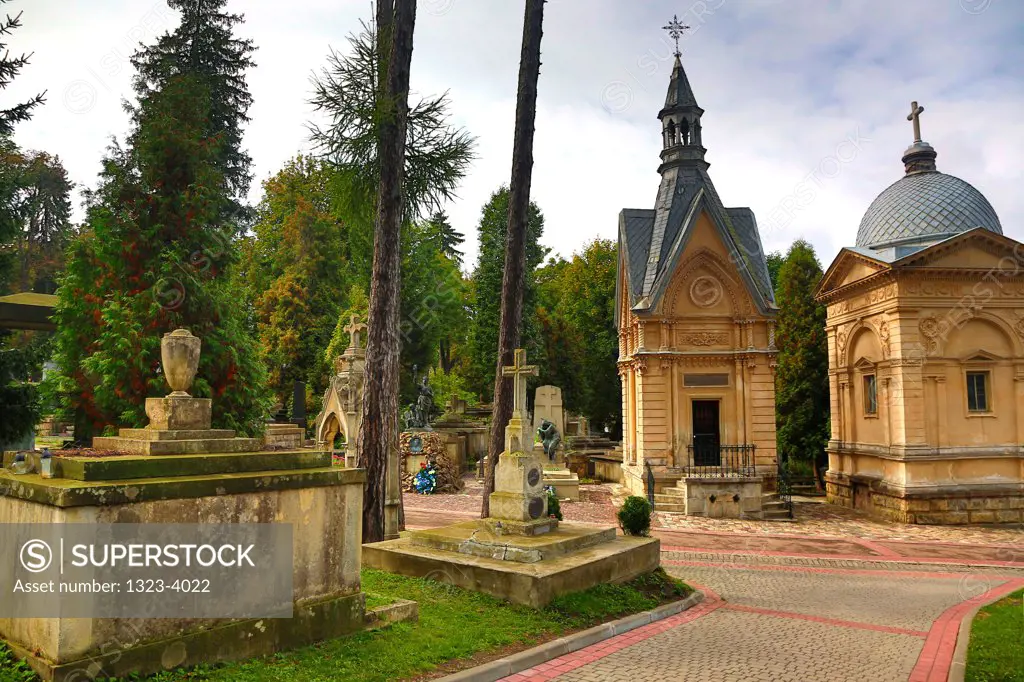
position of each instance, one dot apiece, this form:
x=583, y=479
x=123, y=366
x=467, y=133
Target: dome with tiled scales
x=924, y=206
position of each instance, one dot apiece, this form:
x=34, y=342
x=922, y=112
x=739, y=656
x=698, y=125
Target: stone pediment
x=848, y=268
x=977, y=249
x=865, y=365
x=981, y=356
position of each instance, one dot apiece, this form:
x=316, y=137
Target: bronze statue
x=549, y=438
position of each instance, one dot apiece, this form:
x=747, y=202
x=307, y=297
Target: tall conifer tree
x=205, y=48
x=801, y=379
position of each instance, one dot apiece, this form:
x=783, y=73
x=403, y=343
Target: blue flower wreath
x=426, y=479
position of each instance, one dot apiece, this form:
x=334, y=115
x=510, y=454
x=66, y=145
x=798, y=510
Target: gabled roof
x=919, y=258
x=653, y=241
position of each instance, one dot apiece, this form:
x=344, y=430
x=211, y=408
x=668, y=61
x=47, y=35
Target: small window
x=977, y=391
x=870, y=395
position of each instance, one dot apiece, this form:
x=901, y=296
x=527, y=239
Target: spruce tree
x=9, y=69
x=205, y=48
x=801, y=379
x=487, y=285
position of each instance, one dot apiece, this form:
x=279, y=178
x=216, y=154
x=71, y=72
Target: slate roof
x=653, y=241
x=680, y=94
x=924, y=207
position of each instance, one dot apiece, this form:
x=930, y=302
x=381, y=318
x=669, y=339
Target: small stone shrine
x=343, y=399
x=519, y=553
x=180, y=470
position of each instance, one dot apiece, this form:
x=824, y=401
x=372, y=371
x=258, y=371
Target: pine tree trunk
x=513, y=281
x=378, y=435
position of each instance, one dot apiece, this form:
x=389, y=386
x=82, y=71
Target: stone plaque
x=416, y=445
x=536, y=507
x=533, y=477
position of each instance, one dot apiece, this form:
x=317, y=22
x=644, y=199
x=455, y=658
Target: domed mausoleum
x=926, y=354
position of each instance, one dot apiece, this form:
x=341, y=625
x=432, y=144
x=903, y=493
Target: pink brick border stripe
x=877, y=572
x=936, y=659
x=578, y=659
x=825, y=621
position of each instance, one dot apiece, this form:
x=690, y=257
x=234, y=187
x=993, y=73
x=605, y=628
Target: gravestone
x=547, y=404
x=299, y=404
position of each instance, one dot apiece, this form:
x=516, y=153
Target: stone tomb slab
x=128, y=467
x=533, y=584
x=479, y=539
x=159, y=446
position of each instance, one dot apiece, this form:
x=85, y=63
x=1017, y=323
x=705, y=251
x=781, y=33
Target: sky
x=805, y=100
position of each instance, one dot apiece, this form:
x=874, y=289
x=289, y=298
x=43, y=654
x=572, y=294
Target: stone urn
x=179, y=357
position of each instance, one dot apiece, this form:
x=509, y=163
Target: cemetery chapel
x=695, y=313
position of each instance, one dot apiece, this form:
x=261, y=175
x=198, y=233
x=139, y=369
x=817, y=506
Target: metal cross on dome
x=675, y=29
x=915, y=116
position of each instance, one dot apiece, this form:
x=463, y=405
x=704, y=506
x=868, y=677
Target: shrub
x=635, y=516
x=554, y=506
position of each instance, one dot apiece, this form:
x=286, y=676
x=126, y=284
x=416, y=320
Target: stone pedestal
x=288, y=436
x=179, y=413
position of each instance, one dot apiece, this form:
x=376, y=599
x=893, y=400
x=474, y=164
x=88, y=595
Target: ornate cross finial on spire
x=353, y=327
x=675, y=30
x=914, y=115
x=519, y=370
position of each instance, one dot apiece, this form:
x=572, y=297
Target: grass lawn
x=996, y=649
x=454, y=624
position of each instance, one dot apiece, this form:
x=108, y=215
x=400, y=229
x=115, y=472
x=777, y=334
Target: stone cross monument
x=519, y=504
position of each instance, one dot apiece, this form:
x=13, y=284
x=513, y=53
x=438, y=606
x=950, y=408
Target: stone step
x=669, y=499
x=177, y=447
x=156, y=434
x=679, y=508
x=777, y=515
x=173, y=466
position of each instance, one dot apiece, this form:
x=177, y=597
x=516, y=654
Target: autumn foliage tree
x=152, y=259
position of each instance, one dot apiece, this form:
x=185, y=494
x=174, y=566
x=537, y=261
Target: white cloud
x=783, y=84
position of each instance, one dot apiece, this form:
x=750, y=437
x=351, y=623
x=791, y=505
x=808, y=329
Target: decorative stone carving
x=931, y=329
x=1019, y=327
x=179, y=358
x=705, y=291
x=838, y=308
x=882, y=293
x=705, y=338
x=883, y=334
x=841, y=337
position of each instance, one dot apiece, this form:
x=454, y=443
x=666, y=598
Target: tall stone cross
x=353, y=327
x=519, y=370
x=675, y=30
x=914, y=115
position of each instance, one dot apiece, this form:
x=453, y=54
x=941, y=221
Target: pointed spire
x=680, y=94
